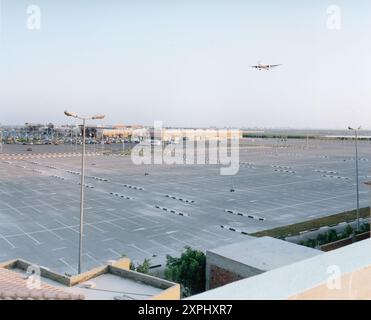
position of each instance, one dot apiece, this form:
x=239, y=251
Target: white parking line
x=92, y=258
x=67, y=227
x=115, y=225
x=26, y=234
x=114, y=252
x=12, y=208
x=171, y=232
x=307, y=202
x=213, y=234
x=181, y=241
x=160, y=244
x=58, y=249
x=5, y=239
x=199, y=238
x=92, y=225
x=50, y=231
x=137, y=248
x=68, y=265
x=108, y=239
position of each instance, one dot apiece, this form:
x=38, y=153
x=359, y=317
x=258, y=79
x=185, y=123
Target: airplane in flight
x=261, y=66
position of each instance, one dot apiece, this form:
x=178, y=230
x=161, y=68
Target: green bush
x=364, y=228
x=332, y=236
x=312, y=243
x=348, y=231
x=144, y=267
x=188, y=270
x=322, y=238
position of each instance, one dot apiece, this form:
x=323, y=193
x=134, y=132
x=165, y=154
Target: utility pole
x=82, y=182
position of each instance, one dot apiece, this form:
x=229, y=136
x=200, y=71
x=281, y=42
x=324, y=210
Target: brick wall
x=220, y=277
x=344, y=242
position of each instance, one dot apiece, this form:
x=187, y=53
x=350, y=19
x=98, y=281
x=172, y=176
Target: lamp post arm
x=357, y=179
x=82, y=182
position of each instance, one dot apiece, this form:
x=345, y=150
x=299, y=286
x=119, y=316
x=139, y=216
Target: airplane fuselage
x=261, y=66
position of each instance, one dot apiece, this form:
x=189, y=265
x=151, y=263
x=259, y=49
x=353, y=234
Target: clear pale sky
x=186, y=63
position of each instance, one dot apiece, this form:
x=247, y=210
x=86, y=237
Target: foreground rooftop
x=113, y=281
x=344, y=273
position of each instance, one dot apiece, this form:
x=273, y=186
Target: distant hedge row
x=332, y=236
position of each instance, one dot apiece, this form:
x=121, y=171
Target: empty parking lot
x=148, y=216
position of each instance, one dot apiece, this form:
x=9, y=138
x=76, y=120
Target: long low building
x=344, y=273
x=246, y=259
x=122, y=131
x=168, y=134
x=174, y=134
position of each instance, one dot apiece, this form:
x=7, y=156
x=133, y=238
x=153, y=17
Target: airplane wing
x=274, y=65
x=256, y=67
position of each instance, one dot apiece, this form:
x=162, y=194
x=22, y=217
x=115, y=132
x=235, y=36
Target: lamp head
x=69, y=114
x=99, y=117
x=350, y=128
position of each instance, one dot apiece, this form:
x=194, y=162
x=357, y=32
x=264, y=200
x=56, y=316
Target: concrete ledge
x=172, y=293
x=123, y=263
x=46, y=273
x=141, y=277
x=85, y=276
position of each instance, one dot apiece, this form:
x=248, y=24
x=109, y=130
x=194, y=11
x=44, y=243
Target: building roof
x=112, y=287
x=265, y=253
x=14, y=286
x=295, y=279
x=113, y=281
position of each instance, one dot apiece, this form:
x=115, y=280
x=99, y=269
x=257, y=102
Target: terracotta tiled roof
x=13, y=286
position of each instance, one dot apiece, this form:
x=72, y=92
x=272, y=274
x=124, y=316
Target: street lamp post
x=76, y=133
x=71, y=138
x=357, y=176
x=26, y=124
x=1, y=140
x=82, y=182
x=102, y=141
